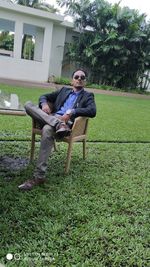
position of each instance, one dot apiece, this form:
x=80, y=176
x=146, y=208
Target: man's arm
x=44, y=99
x=88, y=109
x=46, y=108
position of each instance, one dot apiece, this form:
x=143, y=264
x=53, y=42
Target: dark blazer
x=84, y=105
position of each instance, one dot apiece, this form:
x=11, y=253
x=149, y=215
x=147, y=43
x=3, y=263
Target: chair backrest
x=80, y=126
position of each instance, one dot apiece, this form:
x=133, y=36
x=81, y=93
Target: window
x=32, y=42
x=6, y=37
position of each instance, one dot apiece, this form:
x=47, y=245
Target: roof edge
x=30, y=11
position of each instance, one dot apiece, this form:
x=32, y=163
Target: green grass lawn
x=118, y=118
x=98, y=214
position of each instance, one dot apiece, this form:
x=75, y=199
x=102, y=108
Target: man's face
x=79, y=79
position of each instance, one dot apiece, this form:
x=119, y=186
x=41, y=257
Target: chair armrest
x=79, y=127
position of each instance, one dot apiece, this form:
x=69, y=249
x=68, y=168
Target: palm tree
x=116, y=47
x=38, y=4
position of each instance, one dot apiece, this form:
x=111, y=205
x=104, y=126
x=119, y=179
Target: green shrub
x=111, y=88
x=67, y=81
x=100, y=86
x=62, y=80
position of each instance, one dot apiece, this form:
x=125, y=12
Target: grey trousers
x=48, y=123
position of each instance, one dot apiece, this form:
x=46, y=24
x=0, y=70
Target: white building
x=49, y=31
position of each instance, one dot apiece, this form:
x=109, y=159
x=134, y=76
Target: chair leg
x=55, y=146
x=84, y=148
x=32, y=146
x=68, y=159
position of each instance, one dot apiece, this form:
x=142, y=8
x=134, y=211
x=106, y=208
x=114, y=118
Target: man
x=57, y=121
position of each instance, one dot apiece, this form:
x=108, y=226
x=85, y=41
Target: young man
x=67, y=105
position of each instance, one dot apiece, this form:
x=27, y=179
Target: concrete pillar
x=47, y=46
x=39, y=40
x=18, y=39
x=57, y=51
x=47, y=42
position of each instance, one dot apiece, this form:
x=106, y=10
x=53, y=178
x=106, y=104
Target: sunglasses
x=82, y=77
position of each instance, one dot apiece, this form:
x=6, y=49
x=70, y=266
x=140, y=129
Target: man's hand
x=65, y=118
x=46, y=108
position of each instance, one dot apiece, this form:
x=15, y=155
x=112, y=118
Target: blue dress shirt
x=69, y=103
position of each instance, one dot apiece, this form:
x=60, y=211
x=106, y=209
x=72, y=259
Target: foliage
x=62, y=80
x=67, y=81
x=113, y=43
x=6, y=41
x=111, y=88
x=28, y=47
x=38, y=4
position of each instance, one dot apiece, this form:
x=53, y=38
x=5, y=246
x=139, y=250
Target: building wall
x=49, y=48
x=18, y=68
x=67, y=66
x=57, y=51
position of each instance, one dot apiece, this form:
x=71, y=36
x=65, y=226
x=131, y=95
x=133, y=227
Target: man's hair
x=80, y=70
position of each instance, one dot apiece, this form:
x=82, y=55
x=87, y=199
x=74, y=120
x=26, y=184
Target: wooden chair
x=78, y=133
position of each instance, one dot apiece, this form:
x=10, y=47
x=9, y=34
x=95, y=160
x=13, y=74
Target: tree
x=6, y=41
x=114, y=42
x=38, y=4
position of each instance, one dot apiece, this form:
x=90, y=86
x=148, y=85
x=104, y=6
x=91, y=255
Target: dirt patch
x=10, y=166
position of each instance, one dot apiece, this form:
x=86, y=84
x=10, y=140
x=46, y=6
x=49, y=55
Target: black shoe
x=29, y=184
x=62, y=130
